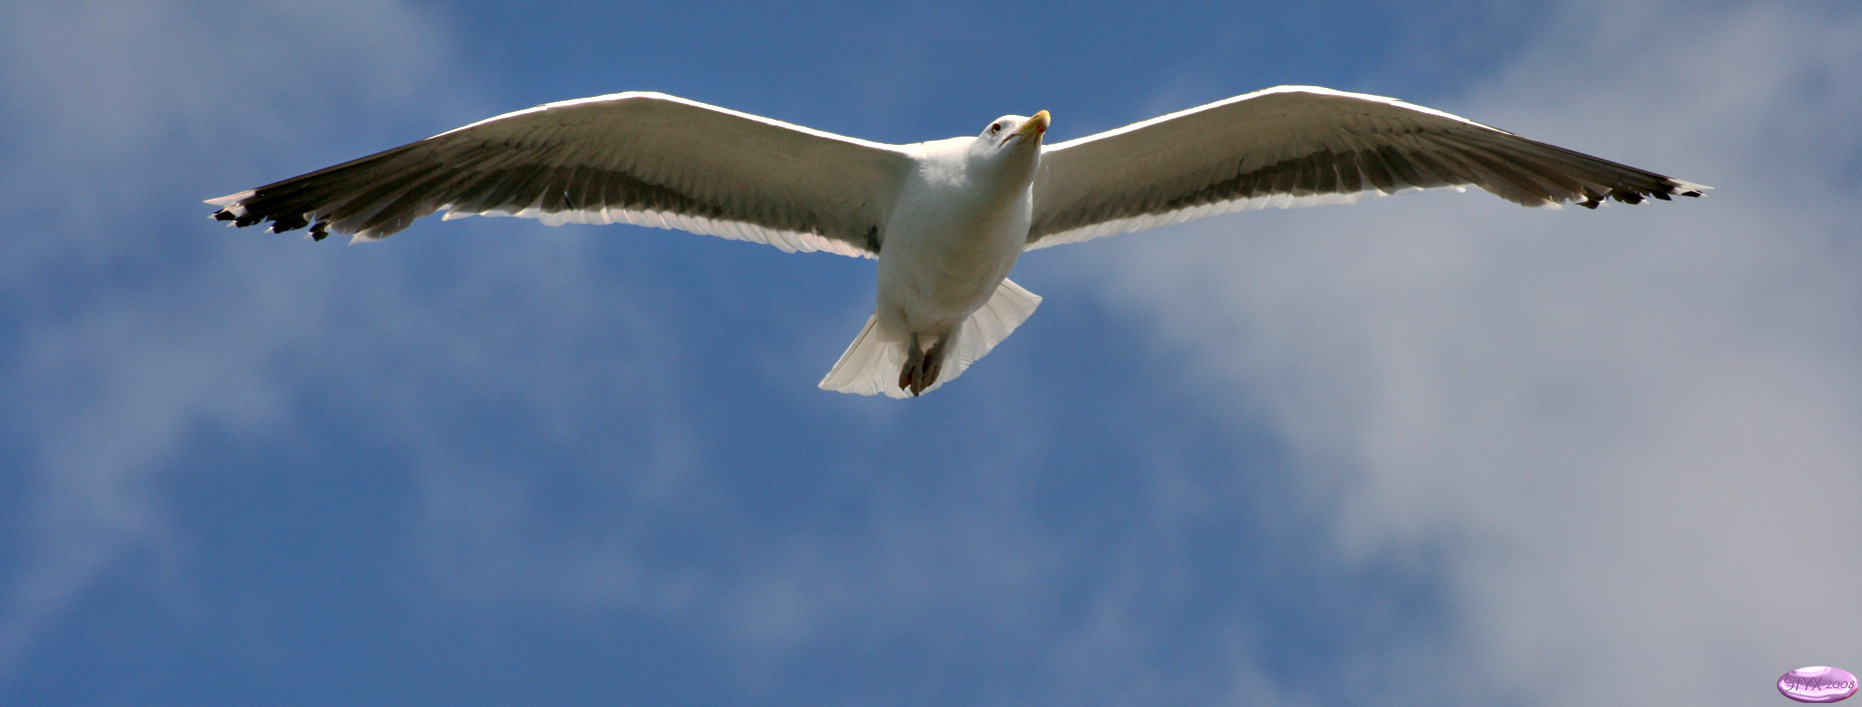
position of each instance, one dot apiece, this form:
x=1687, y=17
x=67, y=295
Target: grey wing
x=1298, y=145
x=641, y=158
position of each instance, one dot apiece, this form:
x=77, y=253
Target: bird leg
x=933, y=362
x=921, y=366
x=914, y=357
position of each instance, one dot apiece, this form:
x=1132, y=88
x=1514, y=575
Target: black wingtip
x=280, y=224
x=1688, y=189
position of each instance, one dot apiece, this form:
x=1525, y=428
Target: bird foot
x=921, y=368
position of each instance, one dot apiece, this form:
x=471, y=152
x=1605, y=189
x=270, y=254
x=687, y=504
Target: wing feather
x=1297, y=145
x=642, y=158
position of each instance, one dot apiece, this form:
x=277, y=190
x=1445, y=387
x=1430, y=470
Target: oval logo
x=1817, y=683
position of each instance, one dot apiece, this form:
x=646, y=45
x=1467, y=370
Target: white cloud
x=134, y=340
x=1620, y=426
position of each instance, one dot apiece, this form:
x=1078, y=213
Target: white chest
x=952, y=238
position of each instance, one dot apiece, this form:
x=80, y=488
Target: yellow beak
x=1035, y=126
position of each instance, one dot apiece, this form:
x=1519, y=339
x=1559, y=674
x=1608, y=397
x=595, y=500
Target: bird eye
x=995, y=128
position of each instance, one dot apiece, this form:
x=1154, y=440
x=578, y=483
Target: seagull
x=946, y=219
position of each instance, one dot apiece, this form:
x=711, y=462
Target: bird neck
x=1011, y=168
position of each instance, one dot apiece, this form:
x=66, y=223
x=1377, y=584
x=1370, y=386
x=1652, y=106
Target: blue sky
x=1431, y=449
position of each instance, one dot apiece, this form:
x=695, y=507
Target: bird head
x=1010, y=146
x=1016, y=130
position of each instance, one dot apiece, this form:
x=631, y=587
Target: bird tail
x=863, y=369
x=872, y=362
x=986, y=327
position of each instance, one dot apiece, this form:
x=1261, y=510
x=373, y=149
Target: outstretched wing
x=642, y=158
x=1298, y=145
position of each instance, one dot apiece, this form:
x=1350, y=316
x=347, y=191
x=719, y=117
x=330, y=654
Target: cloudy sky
x=1434, y=449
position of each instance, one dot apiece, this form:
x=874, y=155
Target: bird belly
x=943, y=258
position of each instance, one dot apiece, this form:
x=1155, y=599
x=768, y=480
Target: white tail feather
x=870, y=365
x=988, y=326
x=872, y=362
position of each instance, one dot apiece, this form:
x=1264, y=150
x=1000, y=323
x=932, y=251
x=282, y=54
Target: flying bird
x=946, y=219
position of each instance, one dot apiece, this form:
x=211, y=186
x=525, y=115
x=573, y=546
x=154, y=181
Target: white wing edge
x=683, y=101
x=1144, y=222
x=230, y=202
x=1264, y=92
x=784, y=240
